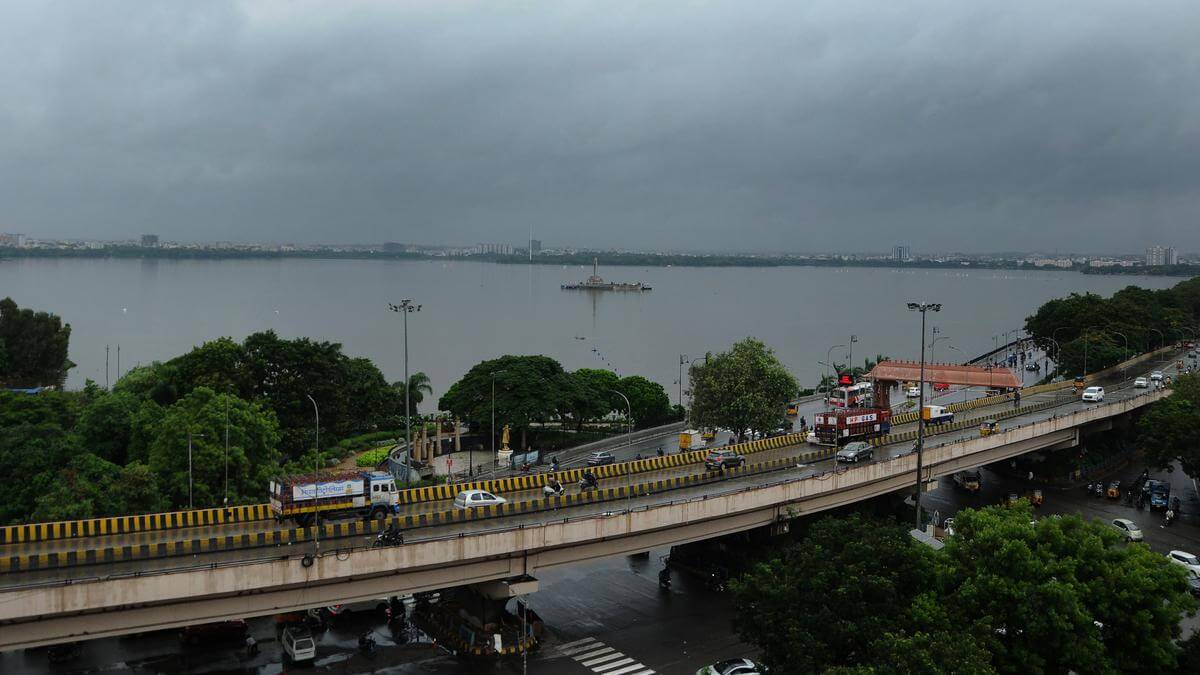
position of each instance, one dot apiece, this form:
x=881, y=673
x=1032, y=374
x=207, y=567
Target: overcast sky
x=761, y=125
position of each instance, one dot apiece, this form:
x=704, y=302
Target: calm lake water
x=157, y=309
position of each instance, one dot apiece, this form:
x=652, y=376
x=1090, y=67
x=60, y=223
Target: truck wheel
x=379, y=515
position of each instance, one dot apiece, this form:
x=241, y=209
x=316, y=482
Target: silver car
x=856, y=452
x=1128, y=529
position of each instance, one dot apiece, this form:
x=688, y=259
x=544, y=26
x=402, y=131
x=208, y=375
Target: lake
x=470, y=311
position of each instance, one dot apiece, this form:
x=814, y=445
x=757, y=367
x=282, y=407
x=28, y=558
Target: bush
x=372, y=458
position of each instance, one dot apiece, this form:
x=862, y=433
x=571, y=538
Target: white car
x=298, y=644
x=1157, y=376
x=1093, y=394
x=1185, y=559
x=470, y=499
x=811, y=438
x=912, y=392
x=1141, y=383
x=1127, y=528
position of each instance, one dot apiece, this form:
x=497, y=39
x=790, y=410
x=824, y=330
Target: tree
x=594, y=397
x=528, y=389
x=90, y=487
x=253, y=459
x=105, y=426
x=1033, y=594
x=417, y=386
x=30, y=455
x=33, y=345
x=1170, y=431
x=648, y=400
x=821, y=602
x=744, y=388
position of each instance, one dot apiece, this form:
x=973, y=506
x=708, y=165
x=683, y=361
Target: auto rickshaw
x=1114, y=490
x=793, y=409
x=988, y=427
x=1077, y=386
x=1036, y=498
x=709, y=434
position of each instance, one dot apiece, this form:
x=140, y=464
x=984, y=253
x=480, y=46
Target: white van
x=1093, y=394
x=298, y=644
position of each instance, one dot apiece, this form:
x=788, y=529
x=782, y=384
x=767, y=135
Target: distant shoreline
x=578, y=259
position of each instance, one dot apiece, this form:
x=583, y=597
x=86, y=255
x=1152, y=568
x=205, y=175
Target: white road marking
x=588, y=655
x=615, y=664
x=625, y=670
x=602, y=659
x=568, y=645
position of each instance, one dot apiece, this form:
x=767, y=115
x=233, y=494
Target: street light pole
x=225, y=502
x=921, y=307
x=316, y=476
x=850, y=355
x=628, y=413
x=683, y=359
x=405, y=307
x=494, y=457
x=190, y=505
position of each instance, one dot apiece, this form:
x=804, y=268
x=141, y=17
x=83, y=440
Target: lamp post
x=225, y=502
x=494, y=457
x=933, y=343
x=316, y=476
x=850, y=354
x=406, y=307
x=1162, y=341
x=1046, y=358
x=1125, y=353
x=190, y=506
x=954, y=348
x=828, y=354
x=628, y=413
x=683, y=360
x=921, y=307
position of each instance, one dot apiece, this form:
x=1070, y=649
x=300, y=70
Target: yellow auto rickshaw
x=709, y=434
x=793, y=409
x=988, y=427
x=1036, y=498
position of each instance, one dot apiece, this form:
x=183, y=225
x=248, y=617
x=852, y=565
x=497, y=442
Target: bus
x=851, y=396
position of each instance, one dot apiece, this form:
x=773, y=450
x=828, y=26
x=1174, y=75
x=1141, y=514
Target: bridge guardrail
x=98, y=527
x=332, y=531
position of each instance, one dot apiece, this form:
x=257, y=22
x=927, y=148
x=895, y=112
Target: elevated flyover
x=45, y=607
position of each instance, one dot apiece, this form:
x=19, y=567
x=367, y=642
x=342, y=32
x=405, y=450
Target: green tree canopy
x=105, y=426
x=253, y=459
x=1007, y=594
x=90, y=487
x=528, y=389
x=743, y=388
x=1170, y=430
x=33, y=347
x=594, y=397
x=418, y=386
x=649, y=401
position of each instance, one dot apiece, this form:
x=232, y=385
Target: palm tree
x=418, y=386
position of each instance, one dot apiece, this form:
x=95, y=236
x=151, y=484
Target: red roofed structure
x=886, y=372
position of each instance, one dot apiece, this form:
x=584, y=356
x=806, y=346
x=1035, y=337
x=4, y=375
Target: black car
x=723, y=459
x=601, y=458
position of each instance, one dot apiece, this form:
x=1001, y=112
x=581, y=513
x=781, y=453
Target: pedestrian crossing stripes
x=600, y=658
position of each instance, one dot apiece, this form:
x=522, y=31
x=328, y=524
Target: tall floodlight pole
x=921, y=307
x=628, y=413
x=683, y=359
x=405, y=307
x=494, y=457
x=850, y=355
x=316, y=476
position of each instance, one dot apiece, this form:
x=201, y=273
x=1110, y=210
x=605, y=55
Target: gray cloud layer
x=763, y=125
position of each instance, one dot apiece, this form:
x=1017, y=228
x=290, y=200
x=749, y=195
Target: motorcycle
x=1169, y=517
x=1098, y=489
x=388, y=538
x=585, y=484
x=366, y=644
x=551, y=491
x=664, y=579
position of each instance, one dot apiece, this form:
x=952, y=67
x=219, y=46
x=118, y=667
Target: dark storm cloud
x=764, y=125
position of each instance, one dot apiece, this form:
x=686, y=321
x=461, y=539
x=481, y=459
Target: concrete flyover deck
x=43, y=612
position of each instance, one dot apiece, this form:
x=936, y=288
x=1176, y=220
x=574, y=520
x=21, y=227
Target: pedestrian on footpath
x=1017, y=400
x=803, y=423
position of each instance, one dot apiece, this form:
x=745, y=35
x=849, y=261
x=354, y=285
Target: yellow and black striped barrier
x=99, y=527
x=934, y=429
x=331, y=531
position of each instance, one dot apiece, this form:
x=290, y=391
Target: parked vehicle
x=691, y=439
x=1128, y=529
x=218, y=631
x=601, y=458
x=941, y=386
x=470, y=499
x=839, y=427
x=936, y=414
x=733, y=667
x=1033, y=366
x=1093, y=394
x=363, y=493
x=723, y=459
x=971, y=481
x=1141, y=383
x=1185, y=559
x=856, y=452
x=1193, y=580
x=988, y=427
x=377, y=605
x=298, y=644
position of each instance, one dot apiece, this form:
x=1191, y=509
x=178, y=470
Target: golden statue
x=504, y=438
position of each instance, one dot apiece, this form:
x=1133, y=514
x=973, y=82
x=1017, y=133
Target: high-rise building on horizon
x=535, y=246
x=149, y=241
x=1161, y=255
x=901, y=253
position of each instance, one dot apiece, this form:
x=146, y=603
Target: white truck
x=936, y=414
x=370, y=494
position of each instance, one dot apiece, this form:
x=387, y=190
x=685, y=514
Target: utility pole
x=106, y=384
x=405, y=307
x=921, y=307
x=316, y=477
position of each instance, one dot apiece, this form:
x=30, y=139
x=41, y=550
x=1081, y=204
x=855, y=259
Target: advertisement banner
x=341, y=488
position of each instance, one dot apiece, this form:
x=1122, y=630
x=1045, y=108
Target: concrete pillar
x=438, y=444
x=457, y=437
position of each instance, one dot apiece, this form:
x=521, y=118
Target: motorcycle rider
x=589, y=481
x=553, y=488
